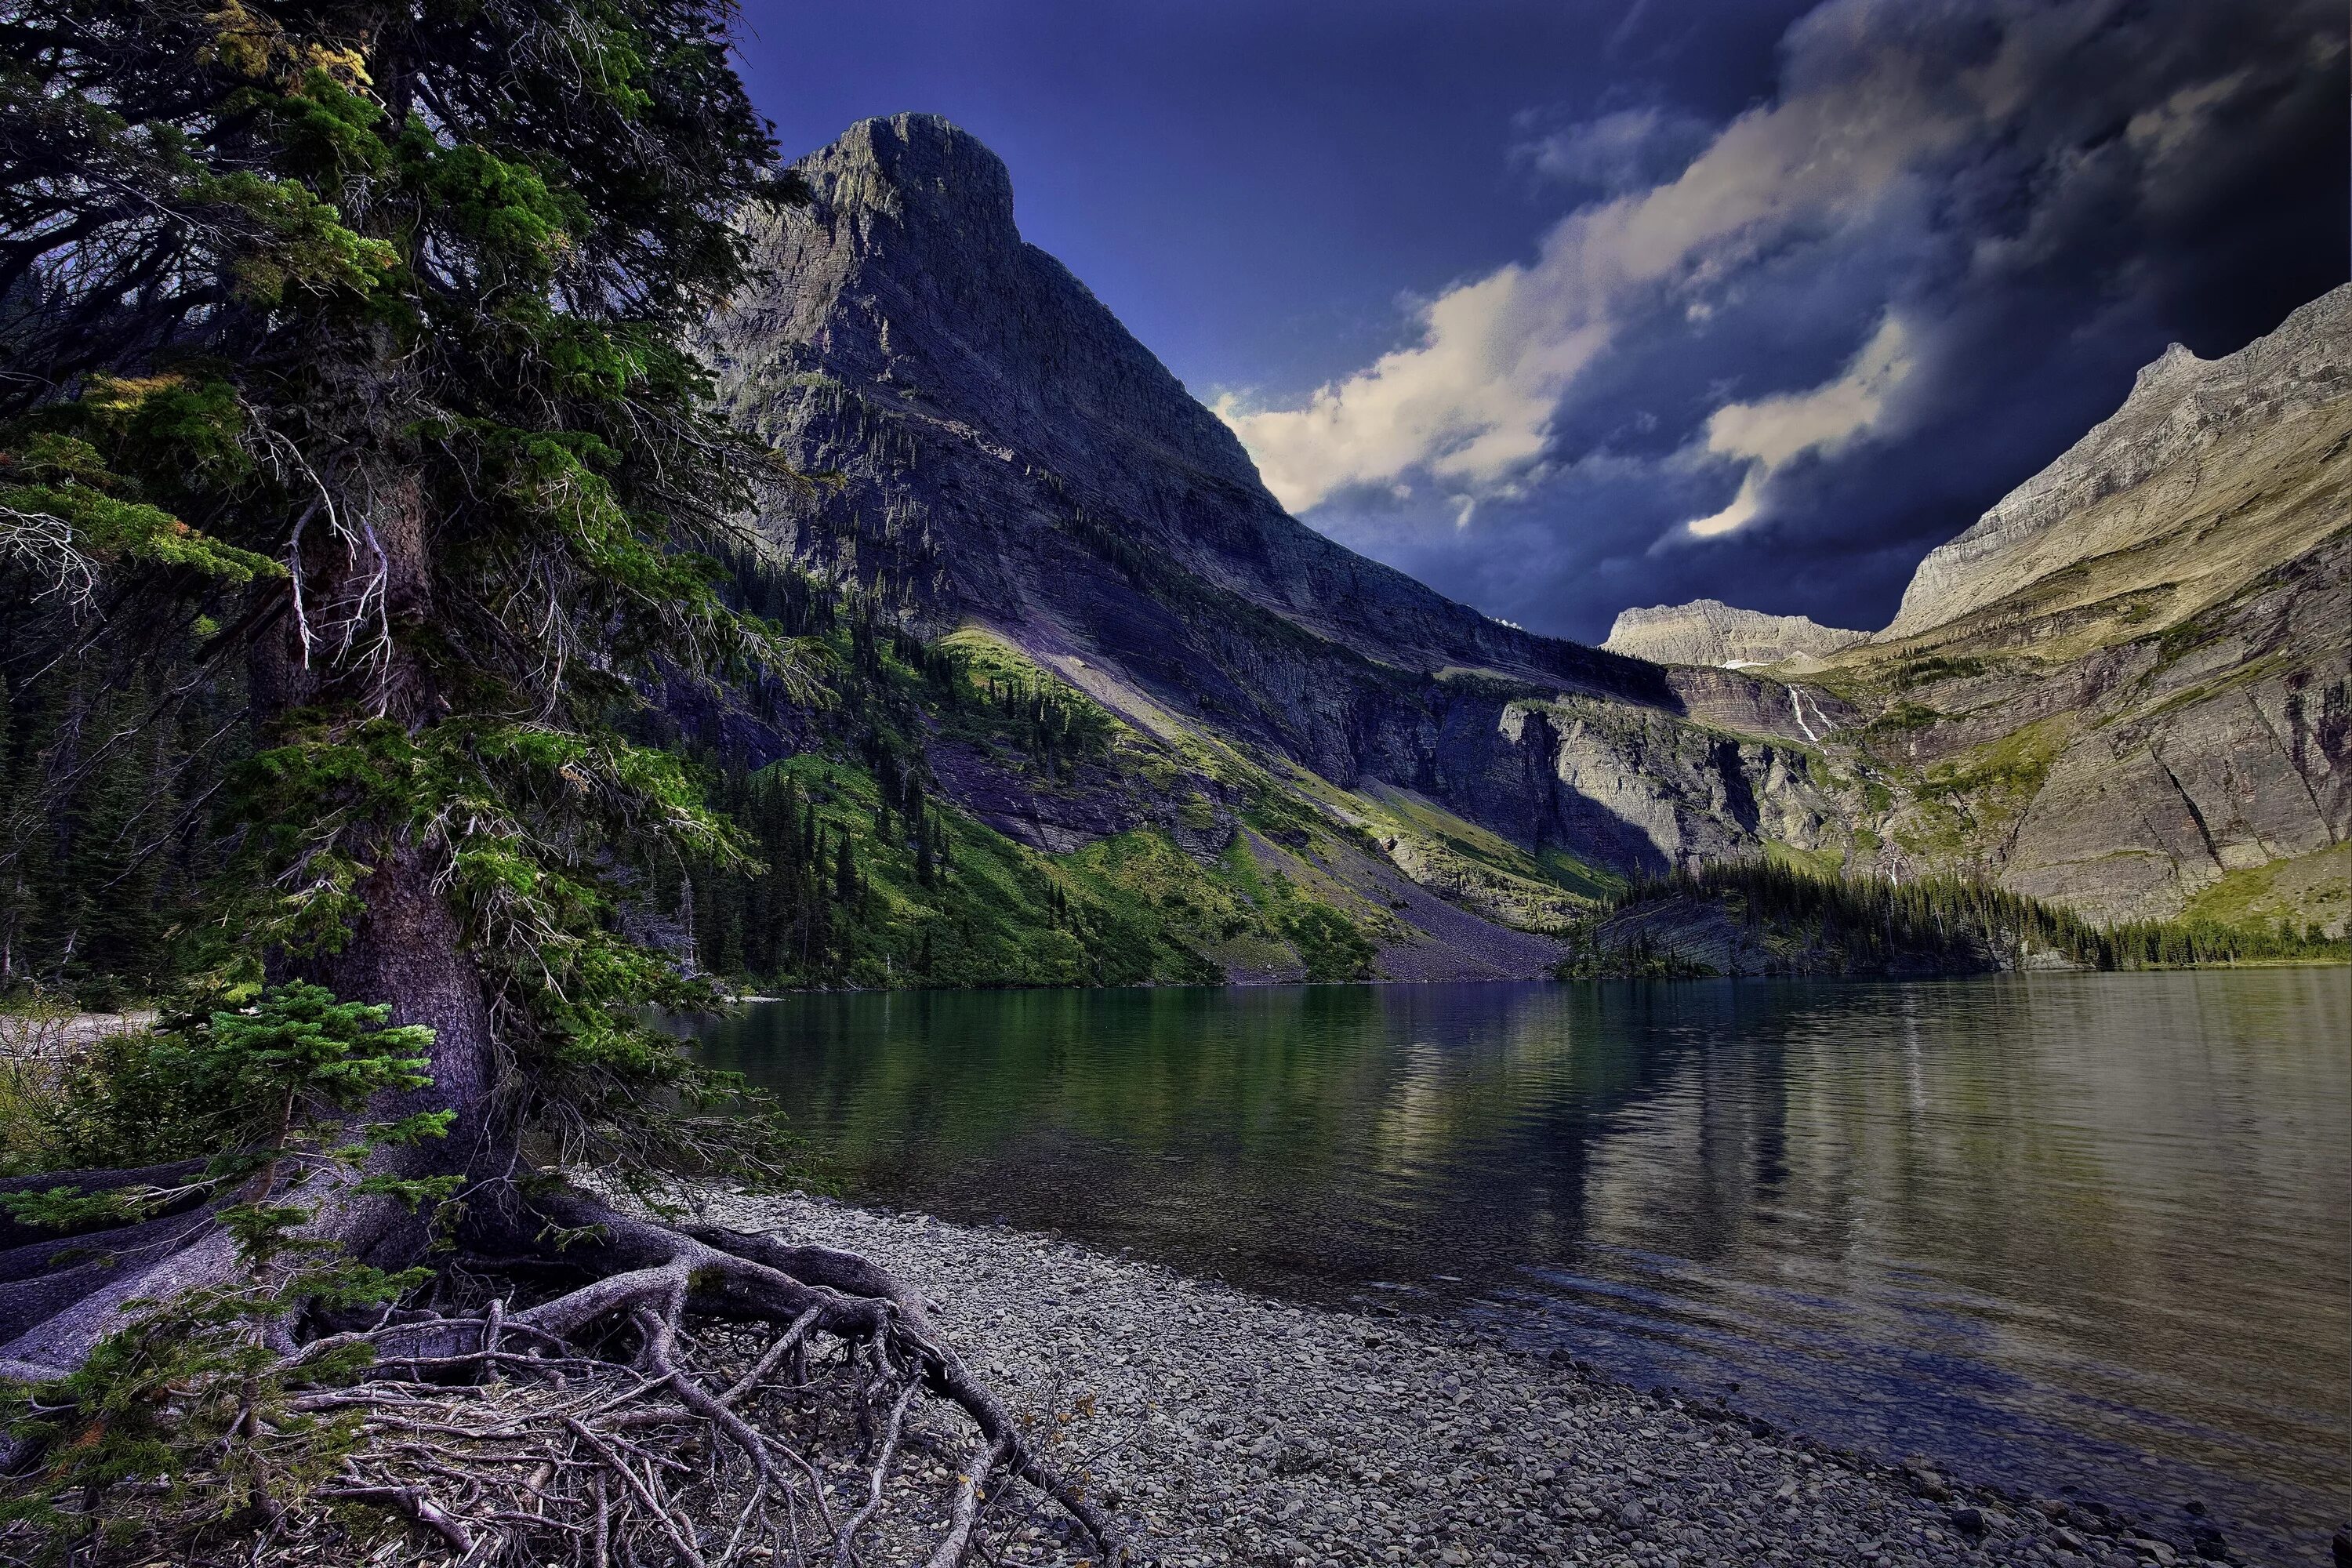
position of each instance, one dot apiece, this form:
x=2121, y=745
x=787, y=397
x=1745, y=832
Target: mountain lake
x=2085, y=1236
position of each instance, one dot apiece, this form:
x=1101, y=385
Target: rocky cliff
x=980, y=450
x=1019, y=423
x=2128, y=687
x=1710, y=632
x=2181, y=408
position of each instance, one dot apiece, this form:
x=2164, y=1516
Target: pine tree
x=844, y=871
x=356, y=329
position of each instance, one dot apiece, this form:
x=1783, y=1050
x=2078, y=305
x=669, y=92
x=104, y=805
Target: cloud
x=1472, y=399
x=1469, y=405
x=1916, y=159
x=1626, y=149
x=1770, y=434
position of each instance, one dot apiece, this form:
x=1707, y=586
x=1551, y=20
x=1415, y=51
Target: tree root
x=687, y=1400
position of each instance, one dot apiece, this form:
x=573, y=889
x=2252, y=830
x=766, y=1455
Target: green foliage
x=2004, y=775
x=858, y=875
x=107, y=765
x=863, y=877
x=65, y=511
x=1644, y=957
x=1921, y=671
x=1038, y=721
x=2313, y=890
x=1260, y=914
x=113, y=1105
x=240, y=1086
x=1958, y=922
x=193, y=1394
x=870, y=881
x=1328, y=941
x=297, y=1041
x=1903, y=719
x=348, y=405
x=353, y=335
x=194, y=1407
x=1810, y=862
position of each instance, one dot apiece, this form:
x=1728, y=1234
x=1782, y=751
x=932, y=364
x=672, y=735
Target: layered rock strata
x=1710, y=632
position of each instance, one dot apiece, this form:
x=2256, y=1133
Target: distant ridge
x=1708, y=631
x=2132, y=694
x=2179, y=405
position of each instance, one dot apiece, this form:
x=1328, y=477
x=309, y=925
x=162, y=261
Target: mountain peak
x=1708, y=631
x=1000, y=450
x=2179, y=405
x=915, y=167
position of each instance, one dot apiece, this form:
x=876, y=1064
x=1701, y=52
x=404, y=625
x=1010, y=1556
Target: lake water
x=2058, y=1231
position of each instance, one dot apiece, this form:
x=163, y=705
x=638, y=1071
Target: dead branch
x=636, y=1416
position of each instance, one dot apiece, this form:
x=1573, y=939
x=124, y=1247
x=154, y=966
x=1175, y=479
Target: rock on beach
x=1224, y=1427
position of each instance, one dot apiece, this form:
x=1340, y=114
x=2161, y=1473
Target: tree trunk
x=366, y=593
x=408, y=950
x=367, y=589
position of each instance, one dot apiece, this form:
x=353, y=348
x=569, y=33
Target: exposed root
x=689, y=1399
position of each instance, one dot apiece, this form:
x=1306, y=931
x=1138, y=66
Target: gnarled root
x=686, y=1396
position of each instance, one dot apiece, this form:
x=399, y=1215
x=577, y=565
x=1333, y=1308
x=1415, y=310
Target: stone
x=2180, y=406
x=1710, y=632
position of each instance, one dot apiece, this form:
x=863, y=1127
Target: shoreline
x=1222, y=1427
x=1853, y=977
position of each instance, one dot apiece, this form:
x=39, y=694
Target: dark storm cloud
x=1774, y=360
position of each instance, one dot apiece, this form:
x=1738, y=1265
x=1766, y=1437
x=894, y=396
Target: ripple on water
x=2056, y=1230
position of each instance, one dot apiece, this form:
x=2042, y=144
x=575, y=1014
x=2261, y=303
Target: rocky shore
x=1224, y=1428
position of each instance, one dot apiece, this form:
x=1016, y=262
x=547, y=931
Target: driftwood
x=659, y=1404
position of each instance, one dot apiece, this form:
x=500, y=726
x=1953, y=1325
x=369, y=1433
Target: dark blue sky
x=1513, y=295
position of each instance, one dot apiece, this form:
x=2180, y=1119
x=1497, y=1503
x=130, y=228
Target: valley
x=2126, y=693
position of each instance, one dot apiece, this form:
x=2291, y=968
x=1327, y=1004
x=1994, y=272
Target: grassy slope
x=2176, y=557
x=2307, y=889
x=1137, y=907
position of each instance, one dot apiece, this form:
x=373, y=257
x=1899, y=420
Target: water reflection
x=2089, y=1229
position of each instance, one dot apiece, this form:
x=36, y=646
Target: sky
x=1570, y=307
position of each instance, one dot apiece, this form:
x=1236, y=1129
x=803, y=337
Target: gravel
x=1227, y=1427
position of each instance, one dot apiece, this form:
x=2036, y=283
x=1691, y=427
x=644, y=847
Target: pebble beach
x=1227, y=1427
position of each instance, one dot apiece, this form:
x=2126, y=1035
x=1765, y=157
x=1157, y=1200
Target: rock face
x=2179, y=407
x=2139, y=665
x=1708, y=631
x=1038, y=460
x=2128, y=687
x=985, y=447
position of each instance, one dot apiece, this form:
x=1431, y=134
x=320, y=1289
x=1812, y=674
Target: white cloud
x=1623, y=150
x=1773, y=432
x=1869, y=96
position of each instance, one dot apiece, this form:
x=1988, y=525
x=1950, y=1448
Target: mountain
x=1708, y=631
x=979, y=451
x=2128, y=688
x=2139, y=475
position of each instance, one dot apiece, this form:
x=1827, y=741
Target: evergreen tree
x=354, y=330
